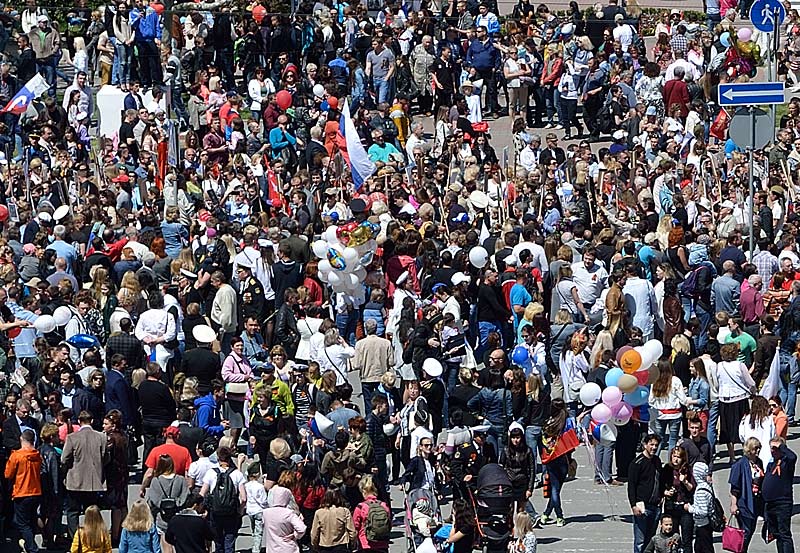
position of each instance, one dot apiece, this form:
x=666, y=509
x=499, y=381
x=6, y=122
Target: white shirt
x=417, y=435
x=198, y=469
x=624, y=34
x=210, y=478
x=590, y=284
x=156, y=323
x=640, y=299
x=688, y=67
x=529, y=159
x=256, y=497
x=538, y=257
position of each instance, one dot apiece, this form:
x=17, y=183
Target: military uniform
x=467, y=460
x=252, y=303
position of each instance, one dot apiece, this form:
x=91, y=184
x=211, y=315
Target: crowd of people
x=295, y=203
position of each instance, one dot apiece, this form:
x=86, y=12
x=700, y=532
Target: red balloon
x=14, y=332
x=259, y=12
x=284, y=99
x=3, y=213
x=333, y=102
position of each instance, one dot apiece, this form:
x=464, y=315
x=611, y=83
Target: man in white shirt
x=623, y=32
x=529, y=157
x=416, y=140
x=538, y=257
x=640, y=300
x=590, y=277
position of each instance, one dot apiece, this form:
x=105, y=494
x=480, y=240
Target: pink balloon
x=612, y=396
x=744, y=34
x=601, y=413
x=623, y=410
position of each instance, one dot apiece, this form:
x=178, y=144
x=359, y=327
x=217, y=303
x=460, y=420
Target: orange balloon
x=630, y=361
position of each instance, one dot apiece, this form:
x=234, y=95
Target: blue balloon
x=638, y=397
x=613, y=376
x=519, y=355
x=596, y=432
x=84, y=341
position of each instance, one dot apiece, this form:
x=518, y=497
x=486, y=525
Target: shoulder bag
x=343, y=387
x=237, y=388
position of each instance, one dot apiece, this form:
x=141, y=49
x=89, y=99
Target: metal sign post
x=751, y=186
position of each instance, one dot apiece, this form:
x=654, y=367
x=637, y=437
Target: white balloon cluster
x=345, y=252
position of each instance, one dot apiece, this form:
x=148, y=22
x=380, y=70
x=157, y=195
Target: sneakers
x=22, y=546
x=560, y=522
x=559, y=126
x=549, y=126
x=544, y=519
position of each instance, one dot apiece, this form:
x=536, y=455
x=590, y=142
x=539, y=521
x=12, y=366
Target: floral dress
x=649, y=90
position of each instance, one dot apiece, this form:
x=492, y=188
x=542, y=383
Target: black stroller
x=493, y=500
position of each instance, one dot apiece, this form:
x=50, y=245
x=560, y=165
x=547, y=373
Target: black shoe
x=567, y=137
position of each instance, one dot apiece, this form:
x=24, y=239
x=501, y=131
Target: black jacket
x=12, y=432
x=520, y=467
x=285, y=275
x=286, y=327
x=643, y=480
x=202, y=364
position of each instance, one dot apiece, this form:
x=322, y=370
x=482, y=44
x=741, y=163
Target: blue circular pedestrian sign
x=767, y=14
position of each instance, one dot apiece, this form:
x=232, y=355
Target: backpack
x=379, y=522
x=717, y=515
x=689, y=287
x=224, y=500
x=168, y=506
x=605, y=118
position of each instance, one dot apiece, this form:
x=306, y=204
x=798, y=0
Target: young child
x=422, y=519
x=256, y=503
x=474, y=113
x=666, y=540
x=524, y=538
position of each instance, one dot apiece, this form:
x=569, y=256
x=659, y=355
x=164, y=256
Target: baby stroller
x=421, y=513
x=493, y=500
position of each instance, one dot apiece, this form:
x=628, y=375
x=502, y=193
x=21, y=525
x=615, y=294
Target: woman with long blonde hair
x=139, y=532
x=93, y=536
x=603, y=342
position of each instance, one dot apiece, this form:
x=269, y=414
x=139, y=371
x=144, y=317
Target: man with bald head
x=726, y=290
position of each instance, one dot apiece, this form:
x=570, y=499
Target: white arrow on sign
x=730, y=94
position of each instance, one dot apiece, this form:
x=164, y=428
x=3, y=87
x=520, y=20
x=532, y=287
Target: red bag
x=720, y=125
x=732, y=537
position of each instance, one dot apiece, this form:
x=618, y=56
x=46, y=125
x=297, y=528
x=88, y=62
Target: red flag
x=163, y=149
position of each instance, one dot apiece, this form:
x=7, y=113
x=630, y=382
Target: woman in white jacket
x=667, y=396
x=259, y=88
x=758, y=424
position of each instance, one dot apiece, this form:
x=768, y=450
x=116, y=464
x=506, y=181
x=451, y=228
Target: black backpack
x=168, y=506
x=224, y=499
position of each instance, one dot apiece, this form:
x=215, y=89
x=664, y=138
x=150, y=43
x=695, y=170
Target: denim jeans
x=778, y=516
x=603, y=456
x=48, y=70
x=25, y=520
x=551, y=95
x=644, y=527
x=711, y=429
x=532, y=436
x=790, y=369
x=225, y=531
x=557, y=472
x=346, y=324
x=450, y=379
x=662, y=426
x=383, y=89
x=568, y=114
x=122, y=63
x=367, y=391
x=257, y=527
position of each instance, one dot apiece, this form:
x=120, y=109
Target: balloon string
x=593, y=460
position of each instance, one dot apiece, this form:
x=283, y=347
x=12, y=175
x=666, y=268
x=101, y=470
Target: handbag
x=733, y=536
x=240, y=388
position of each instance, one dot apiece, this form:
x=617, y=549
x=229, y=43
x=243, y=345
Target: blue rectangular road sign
x=751, y=94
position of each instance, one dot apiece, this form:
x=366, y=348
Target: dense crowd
x=302, y=269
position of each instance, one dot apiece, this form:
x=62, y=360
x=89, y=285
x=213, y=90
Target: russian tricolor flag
x=27, y=94
x=361, y=167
